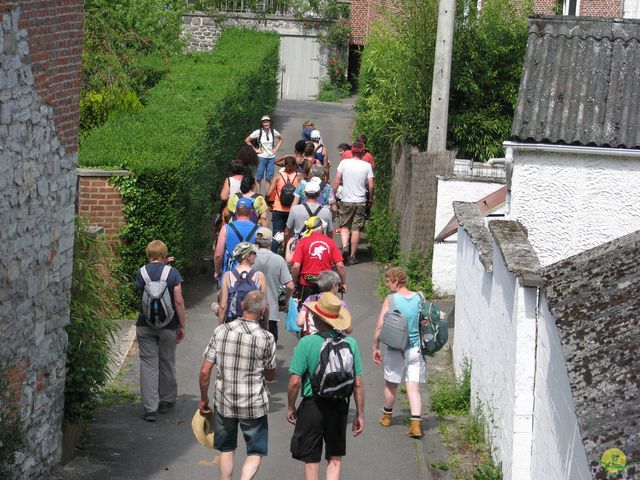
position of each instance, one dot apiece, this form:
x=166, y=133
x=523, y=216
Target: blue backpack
x=244, y=284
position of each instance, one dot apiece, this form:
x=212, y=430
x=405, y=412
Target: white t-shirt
x=267, y=141
x=355, y=173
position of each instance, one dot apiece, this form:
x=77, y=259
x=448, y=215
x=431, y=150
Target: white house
x=547, y=299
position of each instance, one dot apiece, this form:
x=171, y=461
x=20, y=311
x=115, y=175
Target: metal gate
x=299, y=67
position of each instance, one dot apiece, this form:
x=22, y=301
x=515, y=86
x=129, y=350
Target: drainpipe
x=507, y=161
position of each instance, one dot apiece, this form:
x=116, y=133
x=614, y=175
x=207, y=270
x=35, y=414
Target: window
x=570, y=7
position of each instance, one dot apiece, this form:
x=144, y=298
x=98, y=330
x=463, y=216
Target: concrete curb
x=120, y=346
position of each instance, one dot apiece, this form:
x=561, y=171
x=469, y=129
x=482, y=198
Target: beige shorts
x=352, y=215
x=404, y=367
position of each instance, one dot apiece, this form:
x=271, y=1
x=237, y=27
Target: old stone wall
x=414, y=194
x=40, y=61
x=100, y=201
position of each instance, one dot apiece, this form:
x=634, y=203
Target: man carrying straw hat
x=320, y=419
x=245, y=355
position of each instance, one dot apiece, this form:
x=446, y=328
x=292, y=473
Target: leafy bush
x=179, y=145
x=383, y=237
x=451, y=397
x=333, y=93
x=90, y=331
x=12, y=438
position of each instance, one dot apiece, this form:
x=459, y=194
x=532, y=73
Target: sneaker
x=352, y=261
x=385, y=420
x=149, y=417
x=164, y=407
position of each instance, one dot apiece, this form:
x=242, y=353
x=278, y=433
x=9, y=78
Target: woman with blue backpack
x=239, y=281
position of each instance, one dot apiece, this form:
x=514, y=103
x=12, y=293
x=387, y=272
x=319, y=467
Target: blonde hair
x=398, y=274
x=156, y=250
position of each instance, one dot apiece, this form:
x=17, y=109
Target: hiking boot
x=165, y=407
x=385, y=420
x=415, y=429
x=345, y=254
x=149, y=417
x=351, y=261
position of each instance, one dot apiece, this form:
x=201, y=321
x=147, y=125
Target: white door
x=300, y=67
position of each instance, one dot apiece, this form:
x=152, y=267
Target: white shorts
x=407, y=366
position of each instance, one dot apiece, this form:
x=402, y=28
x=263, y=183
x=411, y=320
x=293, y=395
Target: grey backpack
x=395, y=330
x=156, y=301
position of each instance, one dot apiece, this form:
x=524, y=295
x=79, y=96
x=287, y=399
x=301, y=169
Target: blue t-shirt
x=244, y=227
x=323, y=199
x=410, y=309
x=155, y=272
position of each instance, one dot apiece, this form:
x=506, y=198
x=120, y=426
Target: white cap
x=315, y=134
x=312, y=187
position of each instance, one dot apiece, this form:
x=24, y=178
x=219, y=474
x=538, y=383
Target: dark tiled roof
x=595, y=299
x=581, y=83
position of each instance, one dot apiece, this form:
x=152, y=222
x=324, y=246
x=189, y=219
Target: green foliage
x=396, y=74
x=178, y=146
x=333, y=93
x=90, y=331
x=383, y=237
x=12, y=438
x=488, y=471
x=126, y=46
x=451, y=397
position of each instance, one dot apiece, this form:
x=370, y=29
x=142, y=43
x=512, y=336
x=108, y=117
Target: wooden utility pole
x=439, y=114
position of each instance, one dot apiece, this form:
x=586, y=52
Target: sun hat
x=244, y=202
x=315, y=135
x=243, y=250
x=329, y=308
x=312, y=187
x=265, y=118
x=263, y=233
x=202, y=426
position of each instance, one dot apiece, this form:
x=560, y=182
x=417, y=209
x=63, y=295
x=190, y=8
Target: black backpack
x=287, y=192
x=335, y=374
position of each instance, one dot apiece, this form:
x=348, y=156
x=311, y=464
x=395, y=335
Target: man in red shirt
x=315, y=253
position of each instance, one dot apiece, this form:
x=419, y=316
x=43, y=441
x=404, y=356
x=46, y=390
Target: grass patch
x=451, y=396
x=333, y=93
x=118, y=394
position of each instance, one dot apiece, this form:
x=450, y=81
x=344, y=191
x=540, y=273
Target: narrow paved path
x=123, y=446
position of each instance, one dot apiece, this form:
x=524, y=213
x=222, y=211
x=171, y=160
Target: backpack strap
x=145, y=274
x=308, y=209
x=235, y=230
x=165, y=273
x=391, y=302
x=253, y=230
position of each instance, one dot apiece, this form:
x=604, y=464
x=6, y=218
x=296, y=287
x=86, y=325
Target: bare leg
x=250, y=467
x=311, y=471
x=390, y=391
x=334, y=466
x=344, y=237
x=355, y=241
x=226, y=465
x=415, y=401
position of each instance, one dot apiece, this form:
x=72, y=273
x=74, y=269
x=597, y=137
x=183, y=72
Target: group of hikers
x=294, y=267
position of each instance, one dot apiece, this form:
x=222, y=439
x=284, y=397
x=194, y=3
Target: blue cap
x=244, y=203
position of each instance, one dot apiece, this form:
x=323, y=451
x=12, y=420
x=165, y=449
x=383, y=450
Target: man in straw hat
x=319, y=418
x=245, y=355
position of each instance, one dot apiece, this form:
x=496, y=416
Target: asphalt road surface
x=123, y=446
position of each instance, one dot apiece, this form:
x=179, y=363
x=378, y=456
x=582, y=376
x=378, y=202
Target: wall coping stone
x=471, y=178
x=99, y=172
x=472, y=221
x=253, y=16
x=517, y=253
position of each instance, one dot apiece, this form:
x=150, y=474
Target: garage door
x=300, y=67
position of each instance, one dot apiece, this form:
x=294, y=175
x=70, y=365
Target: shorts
x=266, y=168
x=407, y=366
x=352, y=215
x=254, y=430
x=320, y=419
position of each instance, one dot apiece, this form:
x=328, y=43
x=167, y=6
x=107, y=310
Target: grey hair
x=253, y=302
x=327, y=279
x=262, y=242
x=316, y=171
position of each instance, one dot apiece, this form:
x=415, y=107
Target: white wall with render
x=557, y=450
x=444, y=253
x=518, y=376
x=571, y=199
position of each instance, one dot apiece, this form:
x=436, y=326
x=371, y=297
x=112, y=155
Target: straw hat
x=202, y=426
x=329, y=309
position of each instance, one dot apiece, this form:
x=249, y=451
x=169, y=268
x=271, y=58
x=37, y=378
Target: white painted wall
x=518, y=376
x=444, y=253
x=571, y=202
x=557, y=451
x=631, y=8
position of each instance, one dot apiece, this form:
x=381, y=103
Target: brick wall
x=40, y=69
x=100, y=201
x=363, y=14
x=586, y=8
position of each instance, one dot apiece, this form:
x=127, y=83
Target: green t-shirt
x=306, y=357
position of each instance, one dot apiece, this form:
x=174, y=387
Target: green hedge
x=178, y=147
